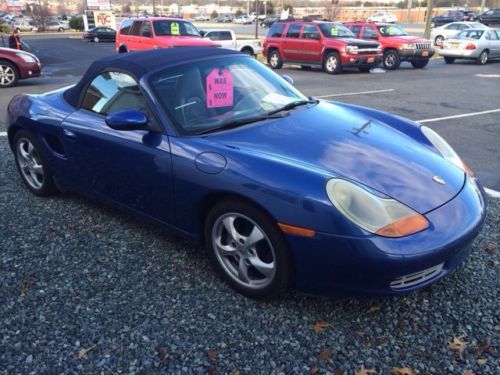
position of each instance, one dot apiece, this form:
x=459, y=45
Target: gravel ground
x=88, y=289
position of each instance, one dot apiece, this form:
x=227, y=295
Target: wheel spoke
x=38, y=168
x=265, y=269
x=243, y=271
x=231, y=229
x=30, y=149
x=255, y=236
x=23, y=152
x=224, y=250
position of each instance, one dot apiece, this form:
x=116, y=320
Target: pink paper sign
x=219, y=88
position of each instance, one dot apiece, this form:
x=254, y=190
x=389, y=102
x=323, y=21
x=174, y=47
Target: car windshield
x=469, y=34
x=335, y=30
x=175, y=28
x=391, y=30
x=220, y=92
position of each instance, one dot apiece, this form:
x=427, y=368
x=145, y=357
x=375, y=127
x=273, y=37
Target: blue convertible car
x=283, y=190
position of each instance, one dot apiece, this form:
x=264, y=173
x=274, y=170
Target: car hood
x=186, y=41
x=344, y=142
x=358, y=42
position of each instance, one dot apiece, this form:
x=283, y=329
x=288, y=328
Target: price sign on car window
x=174, y=28
x=219, y=88
x=334, y=31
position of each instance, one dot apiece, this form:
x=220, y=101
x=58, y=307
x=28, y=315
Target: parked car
x=448, y=17
x=397, y=45
x=100, y=34
x=16, y=65
x=261, y=17
x=25, y=25
x=201, y=17
x=481, y=45
x=470, y=16
x=136, y=34
x=327, y=44
x=383, y=17
x=224, y=18
x=227, y=39
x=439, y=34
x=269, y=21
x=242, y=20
x=384, y=212
x=491, y=17
x=54, y=26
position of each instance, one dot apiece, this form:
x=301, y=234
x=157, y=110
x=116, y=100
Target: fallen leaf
x=212, y=355
x=491, y=248
x=481, y=361
x=83, y=352
x=458, y=344
x=320, y=326
x=468, y=372
x=365, y=371
x=373, y=309
x=402, y=371
x=26, y=284
x=325, y=355
x=235, y=372
x=314, y=370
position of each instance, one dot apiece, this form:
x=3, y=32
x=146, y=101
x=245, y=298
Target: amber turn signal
x=298, y=231
x=404, y=226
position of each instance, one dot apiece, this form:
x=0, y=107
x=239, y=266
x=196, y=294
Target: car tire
x=96, y=39
x=18, y=29
x=260, y=269
x=483, y=58
x=439, y=40
x=274, y=59
x=391, y=59
x=248, y=51
x=60, y=29
x=332, y=63
x=32, y=165
x=365, y=69
x=419, y=63
x=449, y=60
x=9, y=75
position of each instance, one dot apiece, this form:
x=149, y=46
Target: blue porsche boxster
x=284, y=191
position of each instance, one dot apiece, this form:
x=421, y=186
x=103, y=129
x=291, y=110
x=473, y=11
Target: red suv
x=327, y=44
x=397, y=45
x=137, y=34
x=16, y=65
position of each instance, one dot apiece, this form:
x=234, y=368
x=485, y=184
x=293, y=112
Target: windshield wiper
x=293, y=105
x=236, y=123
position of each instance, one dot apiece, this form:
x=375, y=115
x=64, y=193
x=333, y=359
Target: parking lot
x=89, y=289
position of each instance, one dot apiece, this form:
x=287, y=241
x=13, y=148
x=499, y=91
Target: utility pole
x=428, y=20
x=408, y=15
x=154, y=8
x=483, y=3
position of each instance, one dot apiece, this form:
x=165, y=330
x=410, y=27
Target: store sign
x=98, y=4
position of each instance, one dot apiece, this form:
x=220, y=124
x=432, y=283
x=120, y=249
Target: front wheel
x=9, y=74
x=274, y=60
x=332, y=64
x=449, y=60
x=420, y=63
x=483, y=58
x=96, y=39
x=32, y=165
x=60, y=29
x=391, y=60
x=248, y=249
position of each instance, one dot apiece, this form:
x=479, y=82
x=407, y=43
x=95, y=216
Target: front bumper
x=29, y=70
x=329, y=264
x=353, y=60
x=410, y=54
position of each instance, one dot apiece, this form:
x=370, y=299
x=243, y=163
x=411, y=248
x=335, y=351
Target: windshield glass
x=213, y=93
x=392, y=30
x=469, y=34
x=335, y=30
x=175, y=28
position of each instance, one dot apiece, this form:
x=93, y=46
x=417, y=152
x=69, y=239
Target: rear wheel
x=96, y=39
x=60, y=29
x=274, y=59
x=420, y=63
x=248, y=249
x=9, y=74
x=483, y=58
x=332, y=64
x=449, y=60
x=391, y=59
x=439, y=40
x=248, y=51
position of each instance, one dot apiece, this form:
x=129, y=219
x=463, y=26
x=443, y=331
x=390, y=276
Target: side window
x=113, y=91
x=369, y=33
x=136, y=28
x=491, y=35
x=125, y=27
x=452, y=26
x=213, y=35
x=310, y=32
x=498, y=34
x=293, y=31
x=146, y=29
x=225, y=35
x=355, y=29
x=276, y=30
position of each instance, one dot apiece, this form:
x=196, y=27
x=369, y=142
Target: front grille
x=426, y=45
x=412, y=279
x=363, y=51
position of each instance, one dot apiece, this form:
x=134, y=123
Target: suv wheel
x=8, y=74
x=274, y=59
x=60, y=29
x=420, y=63
x=332, y=64
x=483, y=58
x=391, y=59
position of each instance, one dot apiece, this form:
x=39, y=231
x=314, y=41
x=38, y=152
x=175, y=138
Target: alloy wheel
x=244, y=250
x=30, y=163
x=7, y=75
x=331, y=63
x=274, y=60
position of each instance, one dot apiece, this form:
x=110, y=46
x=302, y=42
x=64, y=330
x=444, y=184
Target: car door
x=129, y=168
x=147, y=40
x=493, y=43
x=292, y=43
x=311, y=46
x=135, y=38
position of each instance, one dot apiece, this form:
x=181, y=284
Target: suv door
x=311, y=45
x=135, y=39
x=291, y=43
x=147, y=40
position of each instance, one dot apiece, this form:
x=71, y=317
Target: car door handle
x=69, y=134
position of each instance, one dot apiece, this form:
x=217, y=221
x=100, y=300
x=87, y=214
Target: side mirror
x=288, y=79
x=127, y=119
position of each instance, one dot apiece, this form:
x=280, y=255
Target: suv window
x=293, y=31
x=276, y=30
x=136, y=28
x=125, y=27
x=355, y=29
x=113, y=91
x=146, y=29
x=225, y=35
x=369, y=33
x=310, y=32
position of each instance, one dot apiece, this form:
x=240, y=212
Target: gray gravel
x=76, y=275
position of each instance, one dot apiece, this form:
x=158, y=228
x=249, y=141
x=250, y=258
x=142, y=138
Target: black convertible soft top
x=140, y=63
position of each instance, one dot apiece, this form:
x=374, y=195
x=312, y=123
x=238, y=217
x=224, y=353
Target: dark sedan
x=449, y=16
x=491, y=17
x=100, y=34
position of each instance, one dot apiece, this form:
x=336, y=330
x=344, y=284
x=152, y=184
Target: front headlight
x=382, y=216
x=445, y=149
x=26, y=57
x=408, y=46
x=351, y=49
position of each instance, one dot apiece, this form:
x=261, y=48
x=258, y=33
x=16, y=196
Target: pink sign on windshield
x=219, y=88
